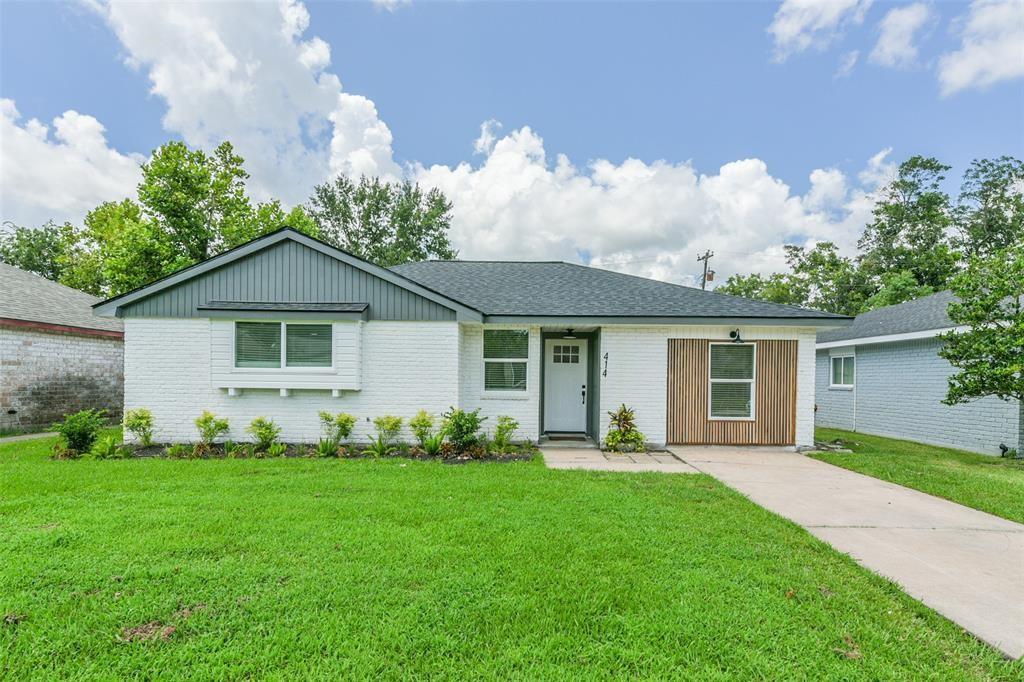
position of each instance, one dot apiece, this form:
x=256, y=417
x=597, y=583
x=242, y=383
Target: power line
x=706, y=257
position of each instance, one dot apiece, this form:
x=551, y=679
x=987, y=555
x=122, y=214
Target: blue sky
x=698, y=85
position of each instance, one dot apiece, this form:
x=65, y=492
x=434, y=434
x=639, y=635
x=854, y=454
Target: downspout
x=856, y=367
x=1020, y=428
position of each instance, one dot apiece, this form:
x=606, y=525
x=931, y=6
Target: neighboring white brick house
x=898, y=383
x=56, y=357
x=285, y=326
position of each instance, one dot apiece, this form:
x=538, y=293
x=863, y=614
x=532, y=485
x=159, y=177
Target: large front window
x=505, y=354
x=732, y=381
x=270, y=345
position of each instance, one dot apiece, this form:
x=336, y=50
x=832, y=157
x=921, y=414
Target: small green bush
x=422, y=426
x=139, y=423
x=178, y=451
x=277, y=449
x=211, y=427
x=108, y=447
x=622, y=432
x=503, y=433
x=265, y=431
x=386, y=442
x=327, y=447
x=79, y=431
x=462, y=428
x=231, y=449
x=337, y=427
x=432, y=444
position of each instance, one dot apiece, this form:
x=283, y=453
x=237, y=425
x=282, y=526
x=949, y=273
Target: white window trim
x=831, y=373
x=752, y=381
x=504, y=393
x=284, y=368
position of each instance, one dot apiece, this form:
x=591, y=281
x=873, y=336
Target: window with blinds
x=843, y=367
x=505, y=354
x=308, y=345
x=259, y=345
x=732, y=381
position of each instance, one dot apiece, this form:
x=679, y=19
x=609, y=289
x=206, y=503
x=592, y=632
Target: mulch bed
x=522, y=453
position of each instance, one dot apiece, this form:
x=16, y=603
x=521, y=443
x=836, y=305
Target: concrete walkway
x=27, y=436
x=965, y=564
x=595, y=460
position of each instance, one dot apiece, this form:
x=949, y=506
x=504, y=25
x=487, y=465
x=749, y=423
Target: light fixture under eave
x=568, y=334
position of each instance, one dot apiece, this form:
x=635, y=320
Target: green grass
x=394, y=569
x=991, y=484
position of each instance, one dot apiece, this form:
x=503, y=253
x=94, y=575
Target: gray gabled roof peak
x=922, y=314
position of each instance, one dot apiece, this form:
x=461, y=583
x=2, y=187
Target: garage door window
x=731, y=378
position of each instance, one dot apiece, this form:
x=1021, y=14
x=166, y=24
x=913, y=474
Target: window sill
x=505, y=395
x=732, y=419
x=840, y=388
x=283, y=371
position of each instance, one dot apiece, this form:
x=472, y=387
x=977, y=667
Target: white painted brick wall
x=638, y=372
x=44, y=376
x=523, y=408
x=899, y=392
x=407, y=366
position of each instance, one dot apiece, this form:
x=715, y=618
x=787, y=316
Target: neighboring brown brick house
x=55, y=355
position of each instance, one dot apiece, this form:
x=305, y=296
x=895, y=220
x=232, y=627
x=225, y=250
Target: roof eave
x=816, y=322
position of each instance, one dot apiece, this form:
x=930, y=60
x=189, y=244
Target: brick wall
x=45, y=375
x=898, y=393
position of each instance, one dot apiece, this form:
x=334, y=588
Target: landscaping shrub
x=108, y=447
x=211, y=427
x=422, y=426
x=433, y=443
x=231, y=449
x=139, y=423
x=622, y=431
x=79, y=430
x=178, y=451
x=503, y=433
x=337, y=427
x=277, y=449
x=462, y=428
x=385, y=443
x=265, y=431
x=327, y=447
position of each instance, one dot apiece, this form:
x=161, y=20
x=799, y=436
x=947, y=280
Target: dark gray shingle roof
x=27, y=296
x=918, y=315
x=547, y=289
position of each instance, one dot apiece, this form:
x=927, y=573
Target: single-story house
x=56, y=357
x=286, y=325
x=883, y=375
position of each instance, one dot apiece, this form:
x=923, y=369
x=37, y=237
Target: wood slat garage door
x=774, y=390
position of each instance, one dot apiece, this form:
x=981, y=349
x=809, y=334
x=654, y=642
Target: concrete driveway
x=965, y=564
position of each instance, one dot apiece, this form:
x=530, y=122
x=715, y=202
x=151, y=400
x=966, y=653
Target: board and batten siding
x=774, y=421
x=634, y=370
x=289, y=272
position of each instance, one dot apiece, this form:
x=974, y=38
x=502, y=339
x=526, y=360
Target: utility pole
x=706, y=257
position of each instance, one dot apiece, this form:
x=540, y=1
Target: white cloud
x=62, y=175
x=645, y=218
x=991, y=47
x=879, y=171
x=799, y=25
x=391, y=5
x=847, y=63
x=247, y=73
x=897, y=30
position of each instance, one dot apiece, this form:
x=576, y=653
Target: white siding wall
x=638, y=372
x=524, y=408
x=406, y=366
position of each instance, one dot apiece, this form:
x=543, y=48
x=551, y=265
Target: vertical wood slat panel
x=774, y=395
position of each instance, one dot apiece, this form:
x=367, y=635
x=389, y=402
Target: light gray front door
x=565, y=385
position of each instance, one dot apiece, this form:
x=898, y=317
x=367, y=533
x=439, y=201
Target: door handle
x=584, y=393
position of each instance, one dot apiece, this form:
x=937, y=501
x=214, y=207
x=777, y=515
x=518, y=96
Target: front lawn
x=991, y=484
x=233, y=569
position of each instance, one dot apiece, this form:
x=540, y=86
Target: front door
x=565, y=385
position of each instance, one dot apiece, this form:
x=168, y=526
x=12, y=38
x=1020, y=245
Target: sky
x=625, y=135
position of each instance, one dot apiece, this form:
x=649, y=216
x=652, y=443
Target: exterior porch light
x=568, y=334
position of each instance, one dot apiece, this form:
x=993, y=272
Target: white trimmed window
x=506, y=352
x=272, y=345
x=731, y=378
x=843, y=371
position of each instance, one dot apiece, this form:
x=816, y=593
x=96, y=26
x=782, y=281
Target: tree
x=908, y=231
x=774, y=288
x=990, y=209
x=383, y=222
x=897, y=287
x=990, y=353
x=33, y=249
x=833, y=282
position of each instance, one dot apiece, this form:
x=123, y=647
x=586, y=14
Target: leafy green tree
x=36, y=250
x=833, y=282
x=990, y=209
x=774, y=288
x=383, y=222
x=897, y=287
x=990, y=353
x=908, y=231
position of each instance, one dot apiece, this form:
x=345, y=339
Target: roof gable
x=286, y=267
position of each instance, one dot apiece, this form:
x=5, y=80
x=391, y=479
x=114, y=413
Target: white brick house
x=286, y=326
x=56, y=357
x=883, y=376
